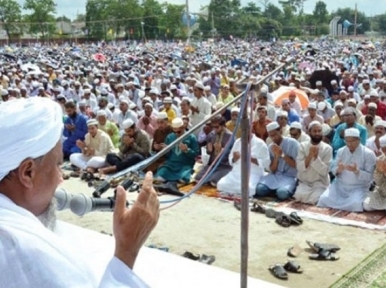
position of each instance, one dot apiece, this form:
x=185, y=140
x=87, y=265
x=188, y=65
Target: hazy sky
x=371, y=7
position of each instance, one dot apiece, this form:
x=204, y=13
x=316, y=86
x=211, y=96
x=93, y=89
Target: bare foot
x=107, y=170
x=91, y=170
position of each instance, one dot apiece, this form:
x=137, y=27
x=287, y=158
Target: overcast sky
x=371, y=7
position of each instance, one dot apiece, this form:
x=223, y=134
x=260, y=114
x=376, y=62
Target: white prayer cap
x=366, y=81
x=4, y=92
x=272, y=126
x=319, y=83
x=382, y=141
x=374, y=93
x=326, y=129
x=366, y=97
x=87, y=91
x=127, y=123
x=153, y=91
x=168, y=100
x=64, y=83
x=147, y=98
x=92, y=122
x=21, y=125
x=350, y=88
x=352, y=132
x=124, y=101
x=173, y=87
x=322, y=105
x=162, y=116
x=380, y=123
x=372, y=105
x=207, y=88
x=282, y=113
x=199, y=85
x=338, y=104
x=313, y=123
x=102, y=113
x=148, y=104
x=82, y=103
x=219, y=105
x=352, y=100
x=177, y=123
x=235, y=109
x=312, y=105
x=296, y=125
x=333, y=82
x=132, y=106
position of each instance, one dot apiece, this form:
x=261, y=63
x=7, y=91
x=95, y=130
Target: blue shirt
x=338, y=142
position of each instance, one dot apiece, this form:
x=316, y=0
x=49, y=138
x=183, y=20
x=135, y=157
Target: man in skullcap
x=30, y=159
x=282, y=120
x=134, y=147
x=178, y=166
x=109, y=127
x=353, y=169
x=199, y=106
x=373, y=143
x=313, y=164
x=231, y=124
x=167, y=107
x=148, y=121
x=297, y=133
x=281, y=181
x=311, y=116
x=125, y=113
x=75, y=128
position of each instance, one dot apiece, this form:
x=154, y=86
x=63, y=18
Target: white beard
x=48, y=218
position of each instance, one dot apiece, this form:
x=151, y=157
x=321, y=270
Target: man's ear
x=27, y=172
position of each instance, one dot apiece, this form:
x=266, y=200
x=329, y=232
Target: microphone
x=63, y=199
x=82, y=204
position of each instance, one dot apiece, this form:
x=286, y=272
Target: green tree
x=170, y=23
x=273, y=12
x=10, y=13
x=380, y=22
x=80, y=18
x=96, y=17
x=320, y=12
x=63, y=18
x=42, y=18
x=152, y=11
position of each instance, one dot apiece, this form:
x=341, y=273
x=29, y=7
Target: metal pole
x=203, y=122
x=245, y=167
x=188, y=40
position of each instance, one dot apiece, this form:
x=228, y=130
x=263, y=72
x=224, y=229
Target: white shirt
x=204, y=107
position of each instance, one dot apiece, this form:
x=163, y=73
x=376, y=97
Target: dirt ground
x=211, y=226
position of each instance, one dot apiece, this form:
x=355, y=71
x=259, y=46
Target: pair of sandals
x=280, y=218
x=280, y=270
x=206, y=259
x=323, y=251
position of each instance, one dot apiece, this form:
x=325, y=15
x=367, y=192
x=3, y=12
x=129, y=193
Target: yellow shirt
x=226, y=100
x=231, y=127
x=171, y=114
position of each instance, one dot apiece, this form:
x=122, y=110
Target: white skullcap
x=132, y=106
x=162, y=116
x=352, y=100
x=296, y=125
x=199, y=85
x=127, y=123
x=272, y=126
x=154, y=91
x=380, y=123
x=177, y=123
x=333, y=82
x=4, y=92
x=22, y=133
x=372, y=105
x=87, y=91
x=173, y=87
x=374, y=93
x=312, y=105
x=168, y=100
x=366, y=81
x=92, y=122
x=207, y=88
x=82, y=103
x=219, y=105
x=382, y=141
x=102, y=113
x=366, y=97
x=350, y=89
x=148, y=104
x=322, y=105
x=338, y=104
x=326, y=129
x=235, y=109
x=124, y=101
x=282, y=113
x=319, y=83
x=351, y=132
x=313, y=123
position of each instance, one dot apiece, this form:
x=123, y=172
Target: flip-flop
x=191, y=255
x=294, y=251
x=258, y=208
x=323, y=246
x=295, y=218
x=278, y=271
x=292, y=266
x=270, y=213
x=207, y=259
x=324, y=255
x=283, y=220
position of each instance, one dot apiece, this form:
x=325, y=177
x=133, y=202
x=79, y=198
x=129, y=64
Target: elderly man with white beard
x=373, y=143
x=313, y=164
x=32, y=255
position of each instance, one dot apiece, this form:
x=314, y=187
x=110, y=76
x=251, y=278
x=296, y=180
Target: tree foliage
x=42, y=19
x=10, y=13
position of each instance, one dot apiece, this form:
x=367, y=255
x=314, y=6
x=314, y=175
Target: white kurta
x=231, y=183
x=349, y=189
x=370, y=143
x=33, y=256
x=204, y=108
x=314, y=179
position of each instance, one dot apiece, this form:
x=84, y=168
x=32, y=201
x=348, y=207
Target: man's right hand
x=80, y=144
x=133, y=226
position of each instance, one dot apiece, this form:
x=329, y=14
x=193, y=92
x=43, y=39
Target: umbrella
x=326, y=76
x=284, y=91
x=99, y=57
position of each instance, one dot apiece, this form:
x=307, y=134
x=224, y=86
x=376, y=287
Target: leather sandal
x=292, y=266
x=278, y=271
x=295, y=218
x=283, y=220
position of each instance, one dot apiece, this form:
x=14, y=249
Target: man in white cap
x=231, y=124
x=349, y=118
x=281, y=181
x=282, y=120
x=168, y=109
x=313, y=164
x=134, y=147
x=353, y=169
x=297, y=133
x=29, y=174
x=373, y=143
x=109, y=127
x=148, y=121
x=179, y=162
x=370, y=119
x=211, y=98
x=200, y=106
x=311, y=116
x=94, y=149
x=376, y=200
x=324, y=110
x=103, y=105
x=125, y=114
x=381, y=106
x=231, y=182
